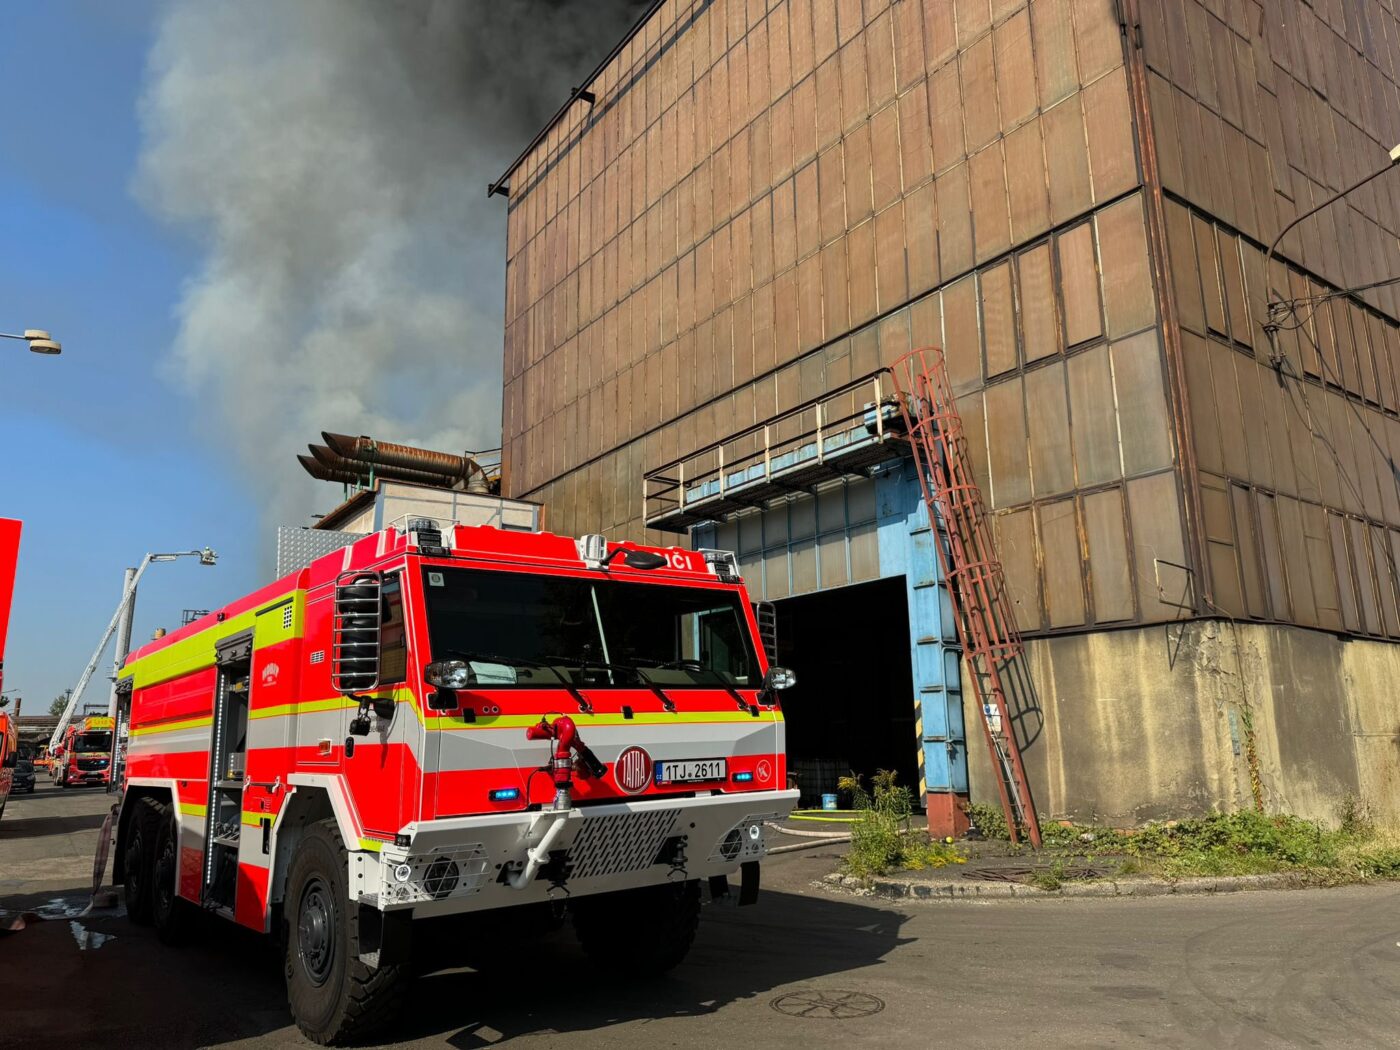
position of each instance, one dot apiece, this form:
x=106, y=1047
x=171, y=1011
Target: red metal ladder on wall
x=982, y=609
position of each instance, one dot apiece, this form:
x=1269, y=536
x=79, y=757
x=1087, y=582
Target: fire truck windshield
x=93, y=742
x=593, y=631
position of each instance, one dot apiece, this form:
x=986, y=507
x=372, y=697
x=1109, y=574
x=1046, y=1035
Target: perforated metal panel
x=741, y=847
x=627, y=842
x=441, y=874
x=299, y=547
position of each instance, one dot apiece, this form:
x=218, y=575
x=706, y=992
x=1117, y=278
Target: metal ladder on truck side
x=982, y=609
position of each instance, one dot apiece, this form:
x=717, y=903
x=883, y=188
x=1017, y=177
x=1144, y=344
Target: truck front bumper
x=469, y=863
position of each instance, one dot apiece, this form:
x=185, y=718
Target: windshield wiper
x=696, y=667
x=586, y=664
x=477, y=656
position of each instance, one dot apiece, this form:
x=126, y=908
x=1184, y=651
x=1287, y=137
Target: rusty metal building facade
x=767, y=200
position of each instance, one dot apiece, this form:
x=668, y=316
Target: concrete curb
x=902, y=889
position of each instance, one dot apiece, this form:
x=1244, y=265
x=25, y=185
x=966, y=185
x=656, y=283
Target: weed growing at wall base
x=1243, y=843
x=882, y=840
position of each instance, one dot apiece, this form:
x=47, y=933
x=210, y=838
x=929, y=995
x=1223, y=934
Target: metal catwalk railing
x=983, y=612
x=846, y=430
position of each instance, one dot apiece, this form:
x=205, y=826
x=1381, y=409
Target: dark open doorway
x=853, y=706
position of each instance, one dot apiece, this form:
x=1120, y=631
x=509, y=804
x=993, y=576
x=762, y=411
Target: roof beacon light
x=723, y=564
x=593, y=549
x=428, y=535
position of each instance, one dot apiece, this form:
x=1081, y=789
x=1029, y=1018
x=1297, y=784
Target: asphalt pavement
x=806, y=968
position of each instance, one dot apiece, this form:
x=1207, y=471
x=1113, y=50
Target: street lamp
x=120, y=624
x=206, y=556
x=40, y=342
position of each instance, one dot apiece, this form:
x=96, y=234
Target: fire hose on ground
x=818, y=838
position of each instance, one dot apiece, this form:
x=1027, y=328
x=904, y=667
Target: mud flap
x=748, y=883
x=386, y=938
x=719, y=887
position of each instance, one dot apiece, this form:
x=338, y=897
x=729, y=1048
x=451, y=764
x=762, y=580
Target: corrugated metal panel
x=847, y=159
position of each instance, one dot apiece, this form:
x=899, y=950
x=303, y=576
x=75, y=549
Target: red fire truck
x=84, y=755
x=9, y=737
x=9, y=561
x=9, y=757
x=442, y=719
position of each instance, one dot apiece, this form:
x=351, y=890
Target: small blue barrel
x=829, y=801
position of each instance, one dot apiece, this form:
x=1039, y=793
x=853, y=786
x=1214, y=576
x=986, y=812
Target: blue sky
x=302, y=218
x=102, y=451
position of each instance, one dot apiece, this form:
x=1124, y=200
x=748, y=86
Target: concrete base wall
x=1183, y=719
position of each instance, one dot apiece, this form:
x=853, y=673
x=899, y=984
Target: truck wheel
x=171, y=914
x=334, y=997
x=639, y=933
x=138, y=860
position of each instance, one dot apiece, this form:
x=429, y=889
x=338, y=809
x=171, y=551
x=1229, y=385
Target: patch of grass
x=1051, y=878
x=882, y=840
x=988, y=819
x=1243, y=843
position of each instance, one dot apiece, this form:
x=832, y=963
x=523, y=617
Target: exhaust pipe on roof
x=323, y=473
x=405, y=457
x=360, y=473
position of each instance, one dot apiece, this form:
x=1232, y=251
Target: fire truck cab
x=441, y=719
x=85, y=753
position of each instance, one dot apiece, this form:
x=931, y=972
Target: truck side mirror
x=359, y=612
x=775, y=679
x=12, y=760
x=447, y=676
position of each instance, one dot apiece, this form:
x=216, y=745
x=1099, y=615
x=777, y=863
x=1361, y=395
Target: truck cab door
x=381, y=767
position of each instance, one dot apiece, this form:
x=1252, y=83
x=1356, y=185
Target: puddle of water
x=89, y=938
x=60, y=908
x=77, y=907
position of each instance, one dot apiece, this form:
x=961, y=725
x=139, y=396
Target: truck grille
x=616, y=844
x=91, y=765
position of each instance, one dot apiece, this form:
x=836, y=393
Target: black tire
x=172, y=915
x=639, y=933
x=334, y=997
x=138, y=860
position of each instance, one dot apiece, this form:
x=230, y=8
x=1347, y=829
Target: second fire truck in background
x=84, y=756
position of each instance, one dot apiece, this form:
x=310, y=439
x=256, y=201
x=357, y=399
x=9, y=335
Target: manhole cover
x=832, y=1004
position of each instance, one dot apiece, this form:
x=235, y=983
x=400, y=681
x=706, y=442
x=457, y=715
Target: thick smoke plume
x=331, y=156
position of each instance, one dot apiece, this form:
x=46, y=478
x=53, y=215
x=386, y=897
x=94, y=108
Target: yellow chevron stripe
x=173, y=727
x=583, y=721
x=197, y=651
x=335, y=703
x=449, y=723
